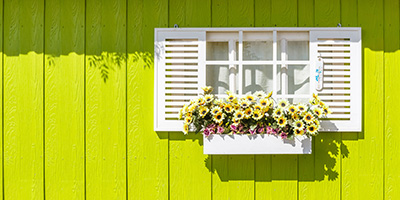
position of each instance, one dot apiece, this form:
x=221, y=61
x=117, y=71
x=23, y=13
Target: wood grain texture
x=306, y=13
x=23, y=99
x=284, y=13
x=319, y=174
x=262, y=13
x=392, y=139
x=240, y=13
x=147, y=150
x=189, y=169
x=1, y=109
x=370, y=146
x=106, y=100
x=219, y=13
x=64, y=99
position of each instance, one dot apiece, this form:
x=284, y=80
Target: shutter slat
x=181, y=48
x=333, y=49
x=343, y=73
x=335, y=55
x=167, y=43
x=181, y=92
x=336, y=85
x=335, y=97
x=181, y=55
x=336, y=78
x=337, y=103
x=179, y=97
x=182, y=67
x=181, y=61
x=336, y=60
x=330, y=91
x=338, y=67
x=182, y=73
x=181, y=79
x=339, y=116
x=177, y=85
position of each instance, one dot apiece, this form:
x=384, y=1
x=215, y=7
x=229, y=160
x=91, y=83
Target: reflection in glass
x=257, y=50
x=296, y=50
x=217, y=51
x=256, y=78
x=298, y=79
x=218, y=78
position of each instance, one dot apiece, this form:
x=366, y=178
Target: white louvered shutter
x=179, y=74
x=342, y=79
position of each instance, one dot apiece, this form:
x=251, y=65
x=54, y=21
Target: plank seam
x=44, y=99
x=2, y=104
x=384, y=103
x=84, y=104
x=126, y=101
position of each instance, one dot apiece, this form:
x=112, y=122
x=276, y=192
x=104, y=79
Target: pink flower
x=261, y=129
x=284, y=135
x=206, y=132
x=253, y=131
x=220, y=129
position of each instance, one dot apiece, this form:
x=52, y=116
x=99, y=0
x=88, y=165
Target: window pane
x=217, y=51
x=257, y=50
x=298, y=80
x=256, y=78
x=296, y=50
x=218, y=78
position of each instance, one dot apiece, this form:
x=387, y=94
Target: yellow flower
x=315, y=96
x=321, y=103
x=192, y=108
x=260, y=94
x=264, y=102
x=282, y=121
x=250, y=98
x=200, y=101
x=215, y=110
x=218, y=117
x=269, y=94
x=185, y=128
x=312, y=129
x=235, y=120
x=180, y=114
x=299, y=131
x=203, y=111
x=292, y=109
x=188, y=119
x=257, y=107
x=208, y=98
x=316, y=123
x=248, y=112
x=283, y=103
x=298, y=125
x=295, y=116
x=277, y=112
x=326, y=110
x=301, y=108
x=228, y=108
x=231, y=97
x=317, y=112
x=245, y=103
x=207, y=89
x=239, y=115
x=257, y=115
x=308, y=118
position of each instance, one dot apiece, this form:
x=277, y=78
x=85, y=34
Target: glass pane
x=298, y=79
x=296, y=50
x=217, y=51
x=218, y=78
x=256, y=78
x=257, y=50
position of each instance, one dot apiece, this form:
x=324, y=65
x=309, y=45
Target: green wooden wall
x=77, y=105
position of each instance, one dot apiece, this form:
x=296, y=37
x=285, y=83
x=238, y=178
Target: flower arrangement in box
x=256, y=113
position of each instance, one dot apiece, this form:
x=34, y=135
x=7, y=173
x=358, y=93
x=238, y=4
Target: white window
x=244, y=60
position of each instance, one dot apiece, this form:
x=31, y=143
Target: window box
x=256, y=144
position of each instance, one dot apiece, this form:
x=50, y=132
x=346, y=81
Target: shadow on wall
x=108, y=62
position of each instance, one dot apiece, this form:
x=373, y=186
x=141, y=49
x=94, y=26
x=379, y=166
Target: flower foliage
x=256, y=113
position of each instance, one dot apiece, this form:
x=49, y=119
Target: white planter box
x=255, y=144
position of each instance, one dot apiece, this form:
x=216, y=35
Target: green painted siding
x=77, y=105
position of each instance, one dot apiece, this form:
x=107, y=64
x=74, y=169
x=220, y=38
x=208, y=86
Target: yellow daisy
x=200, y=101
x=296, y=116
x=308, y=118
x=257, y=115
x=192, y=108
x=277, y=112
x=316, y=97
x=317, y=111
x=264, y=102
x=312, y=129
x=231, y=97
x=188, y=119
x=180, y=114
x=316, y=123
x=301, y=108
x=207, y=89
x=208, y=98
x=228, y=108
x=185, y=128
x=215, y=110
x=250, y=98
x=239, y=115
x=203, y=111
x=292, y=109
x=283, y=103
x=245, y=103
x=298, y=124
x=219, y=117
x=321, y=103
x=282, y=121
x=260, y=94
x=299, y=131
x=257, y=107
x=326, y=110
x=248, y=112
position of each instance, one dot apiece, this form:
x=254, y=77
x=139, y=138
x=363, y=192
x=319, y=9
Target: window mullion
x=232, y=66
x=240, y=74
x=274, y=67
x=284, y=67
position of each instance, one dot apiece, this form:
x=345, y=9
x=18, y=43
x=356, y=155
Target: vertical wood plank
x=1, y=95
x=370, y=145
x=233, y=176
x=306, y=13
x=219, y=13
x=64, y=99
x=262, y=13
x=319, y=174
x=105, y=99
x=284, y=13
x=349, y=148
x=392, y=139
x=147, y=150
x=189, y=168
x=23, y=99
